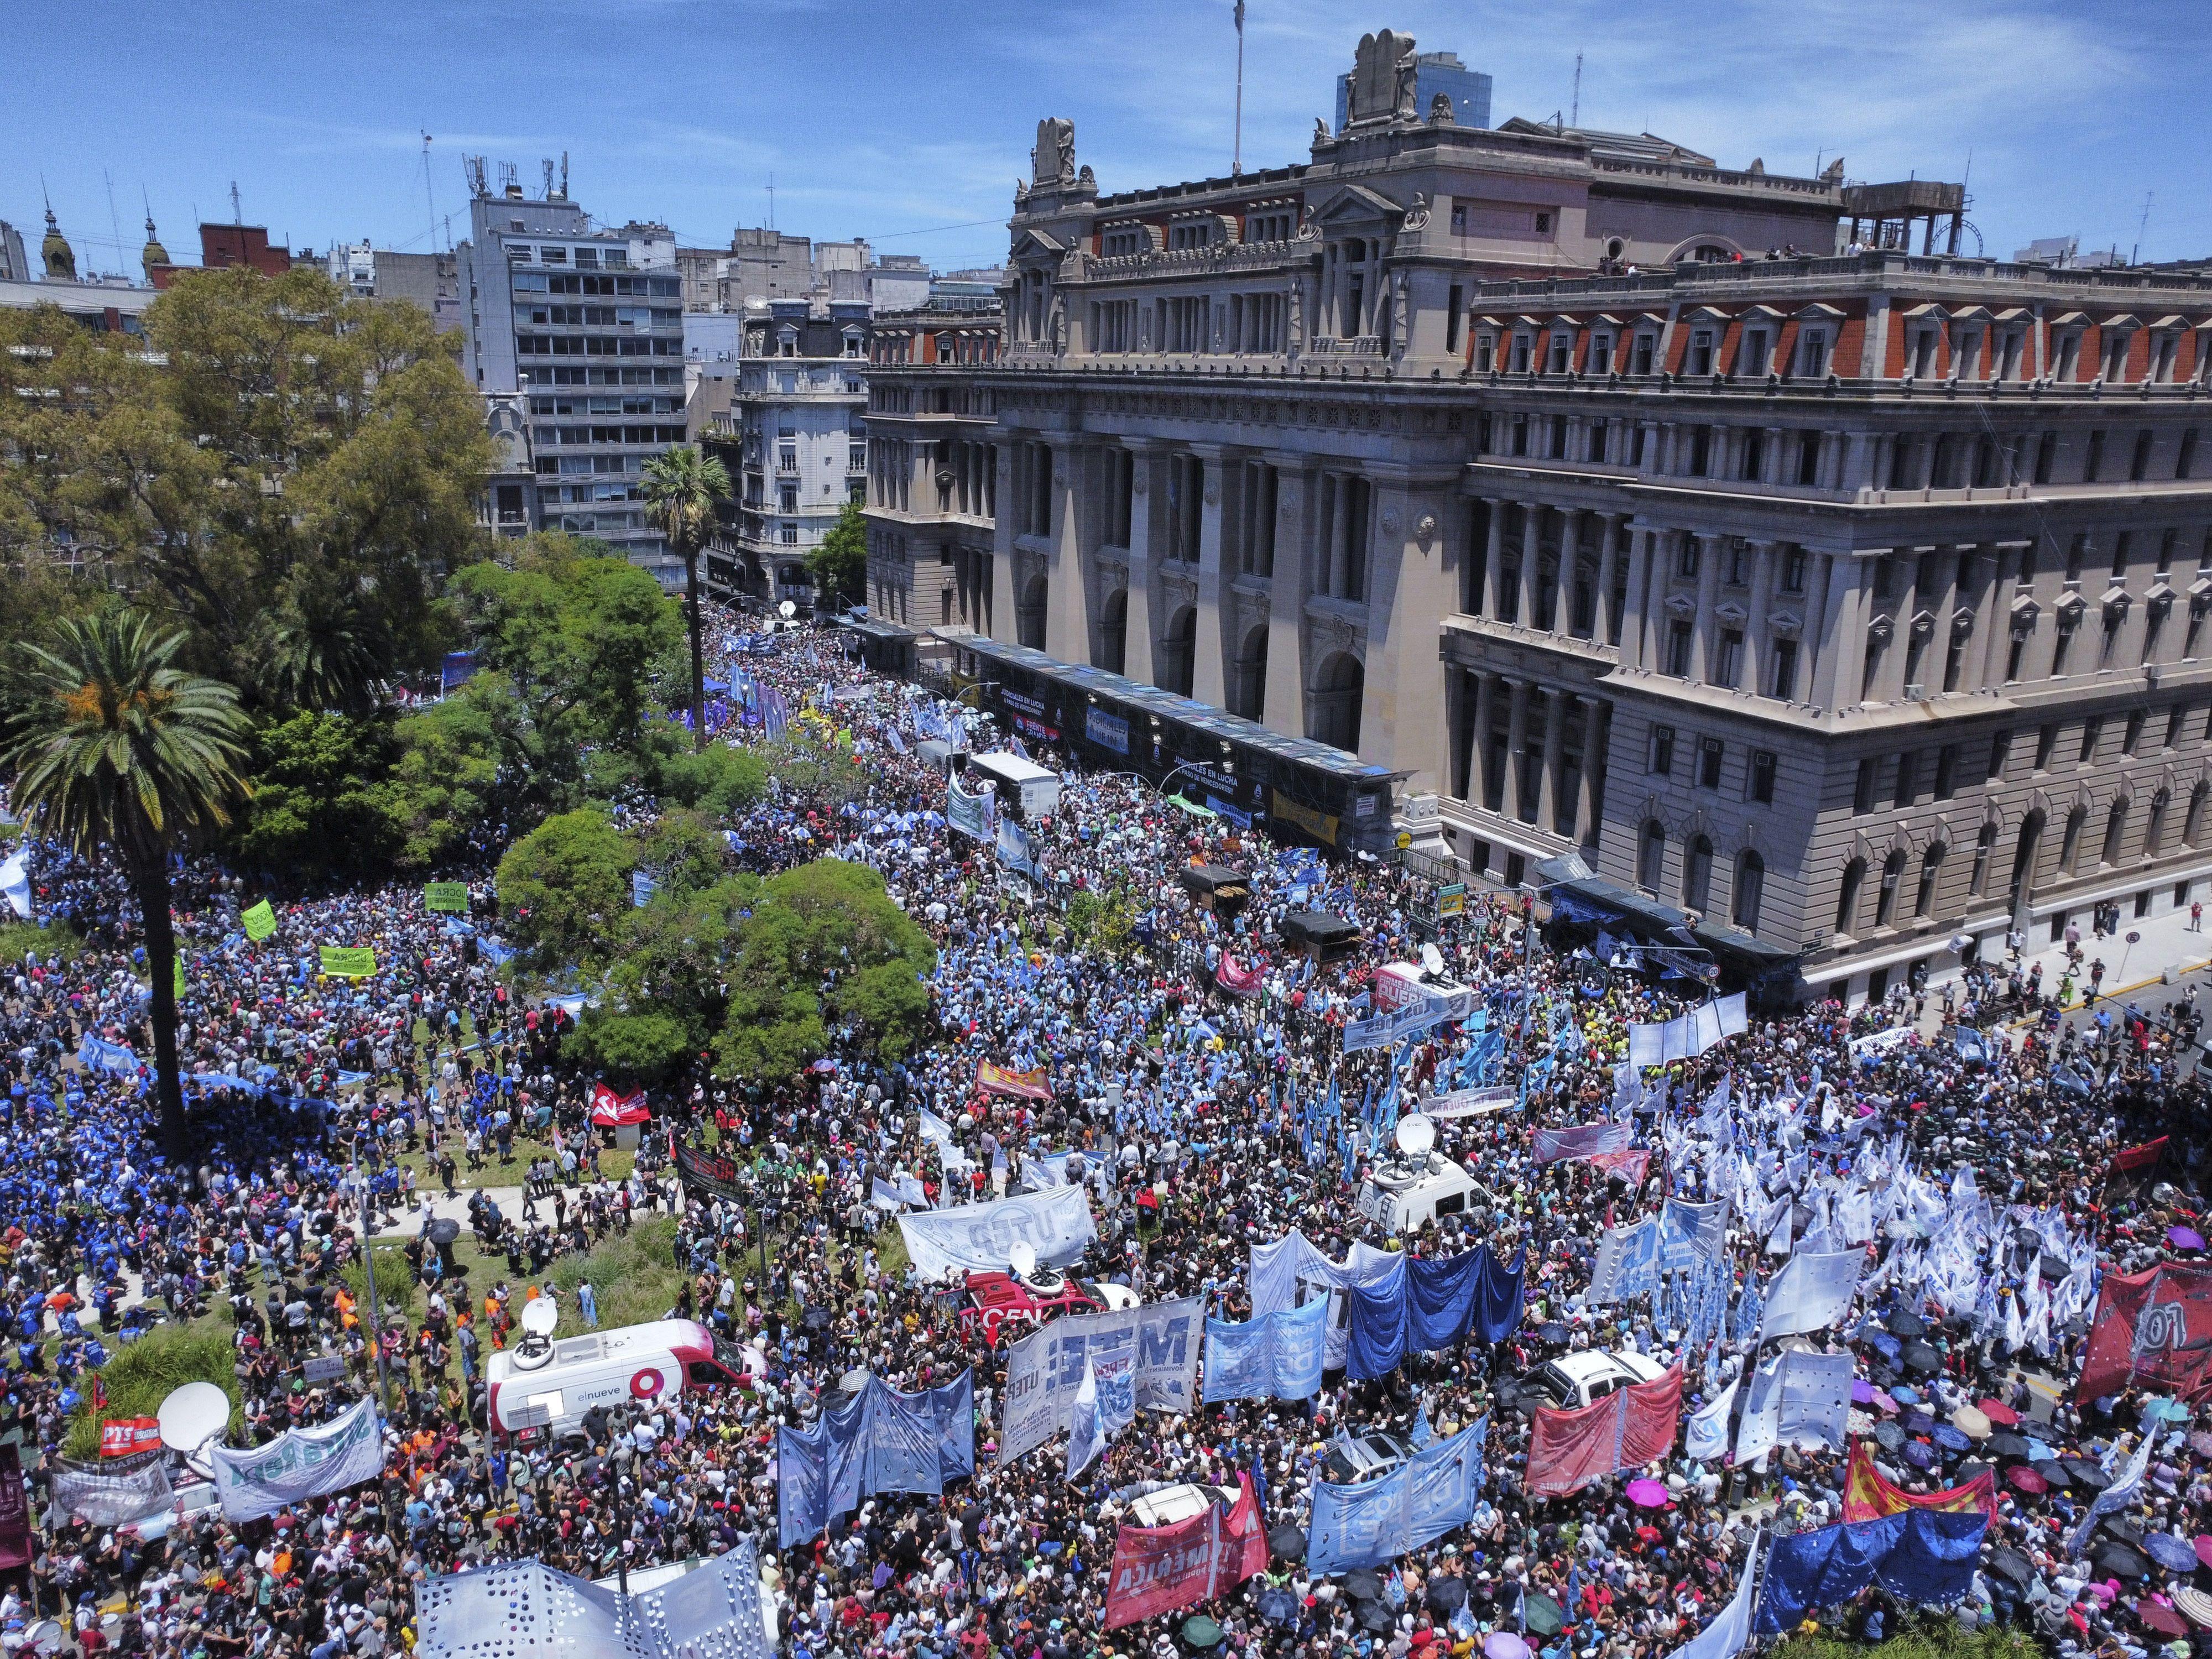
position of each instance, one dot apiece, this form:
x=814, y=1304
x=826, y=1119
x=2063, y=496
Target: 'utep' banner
x=1924, y=1557
x=1584, y=1140
x=981, y=1237
x=1033, y=1085
x=876, y=1441
x=1277, y=1356
x=446, y=895
x=1149, y=1352
x=299, y=1464
x=1869, y=1494
x=347, y=961
x=1159, y=1568
x=1365, y=1525
x=2156, y=1326
x=1627, y=1429
x=259, y=921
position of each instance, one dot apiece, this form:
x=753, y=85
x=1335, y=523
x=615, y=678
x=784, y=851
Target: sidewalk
x=2164, y=942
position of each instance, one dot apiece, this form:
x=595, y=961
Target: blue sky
x=909, y=123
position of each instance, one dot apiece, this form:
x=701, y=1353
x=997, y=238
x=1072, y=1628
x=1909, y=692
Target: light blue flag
x=1086, y=1428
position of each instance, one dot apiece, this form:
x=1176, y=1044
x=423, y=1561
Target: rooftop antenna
x=115, y=223
x=1576, y=119
x=2141, y=225
x=771, y=201
x=1236, y=155
x=236, y=218
x=430, y=200
x=564, y=175
x=546, y=164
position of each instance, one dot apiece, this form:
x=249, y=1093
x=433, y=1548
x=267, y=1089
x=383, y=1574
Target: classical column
x=1562, y=617
x=1641, y=551
x=1459, y=711
x=1145, y=496
x=1842, y=639
x=1765, y=556
x=1596, y=723
x=1287, y=593
x=1493, y=577
x=1520, y=804
x=1993, y=612
x=1704, y=647
x=1550, y=778
x=998, y=607
x=1078, y=495
x=1486, y=723
x=1211, y=647
x=1531, y=528
x=1606, y=629
x=1770, y=468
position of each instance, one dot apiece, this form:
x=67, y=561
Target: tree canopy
x=839, y=563
x=564, y=891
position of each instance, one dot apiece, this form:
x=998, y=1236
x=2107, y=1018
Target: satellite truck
x=1417, y=1184
x=540, y=1389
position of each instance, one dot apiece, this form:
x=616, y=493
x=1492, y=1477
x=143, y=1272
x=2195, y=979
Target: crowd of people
x=1980, y=1180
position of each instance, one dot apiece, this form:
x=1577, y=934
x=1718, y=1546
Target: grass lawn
x=145, y=1373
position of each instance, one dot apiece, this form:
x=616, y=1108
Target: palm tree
x=112, y=747
x=319, y=650
x=680, y=489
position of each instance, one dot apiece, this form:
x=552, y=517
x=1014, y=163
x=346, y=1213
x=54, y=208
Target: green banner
x=179, y=963
x=260, y=921
x=347, y=961
x=447, y=896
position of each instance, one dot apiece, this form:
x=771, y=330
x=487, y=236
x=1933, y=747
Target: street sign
x=1452, y=900
x=1405, y=839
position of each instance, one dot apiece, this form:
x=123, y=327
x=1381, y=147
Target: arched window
x=2154, y=826
x=1698, y=873
x=1985, y=843
x=2116, y=831
x=1750, y=888
x=2070, y=845
x=2192, y=826
x=2023, y=856
x=1847, y=896
x=1651, y=855
x=1923, y=899
x=1885, y=900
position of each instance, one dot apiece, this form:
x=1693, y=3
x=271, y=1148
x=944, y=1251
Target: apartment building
x=1850, y=602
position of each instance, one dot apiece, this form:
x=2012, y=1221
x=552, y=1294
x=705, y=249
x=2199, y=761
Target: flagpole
x=1236, y=162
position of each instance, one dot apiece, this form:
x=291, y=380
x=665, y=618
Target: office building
x=429, y=281
x=585, y=320
x=1436, y=75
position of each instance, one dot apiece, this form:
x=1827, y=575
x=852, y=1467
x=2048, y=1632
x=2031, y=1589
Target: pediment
x=1033, y=244
x=1353, y=204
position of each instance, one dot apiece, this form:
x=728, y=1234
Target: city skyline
x=878, y=122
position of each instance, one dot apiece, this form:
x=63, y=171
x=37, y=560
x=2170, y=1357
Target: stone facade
x=1853, y=600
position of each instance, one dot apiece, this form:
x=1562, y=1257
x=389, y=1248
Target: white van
x=1405, y=1193
x=537, y=1392
x=1024, y=786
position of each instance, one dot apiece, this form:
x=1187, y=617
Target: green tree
x=441, y=783
x=825, y=949
x=668, y=995
x=289, y=471
x=115, y=749
x=718, y=779
x=817, y=772
x=839, y=563
x=564, y=891
x=680, y=488
x=318, y=800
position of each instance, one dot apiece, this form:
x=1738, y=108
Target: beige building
x=1702, y=521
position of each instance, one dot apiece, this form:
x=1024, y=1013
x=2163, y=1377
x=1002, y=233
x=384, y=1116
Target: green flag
x=347, y=961
x=260, y=921
x=446, y=895
x=179, y=963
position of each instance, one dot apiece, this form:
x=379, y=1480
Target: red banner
x=1627, y=1429
x=2157, y=1325
x=1630, y=1166
x=1159, y=1568
x=1869, y=1495
x=611, y=1111
x=127, y=1436
x=1000, y=1080
x=1237, y=979
x=2132, y=1158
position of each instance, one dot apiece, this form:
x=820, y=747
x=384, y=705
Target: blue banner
x=1922, y=1556
x=98, y=1056
x=1426, y=1305
x=876, y=1441
x=1277, y=1356
x=1366, y=1525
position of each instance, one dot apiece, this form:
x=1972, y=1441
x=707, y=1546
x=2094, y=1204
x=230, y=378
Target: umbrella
x=2204, y=1550
x=1949, y=1438
x=1972, y=1470
x=1974, y=1424
x=1922, y=1356
x=1200, y=1632
x=2008, y=1563
x=2200, y=1442
x=1543, y=1614
x=2006, y=1445
x=816, y=1318
x=1919, y=1422
x=1504, y=1645
x=1286, y=1543
x=1362, y=1585
x=2156, y=1615
x=2170, y=1551
x=1648, y=1494
x=1375, y=1616
x=2184, y=1239
x=2122, y=1531
x=2053, y=1471
x=2021, y=1478
x=1889, y=1436
x=1883, y=1402
x=1277, y=1605
x=855, y=1381
x=1997, y=1412
x=2194, y=1602
x=1905, y=1323
x=1881, y=1376
x=444, y=1230
x=2172, y=1411
x=1447, y=1596
x=1919, y=1453
x=1552, y=1331
x=2118, y=1561
x=2083, y=1475
x=1907, y=1396
x=1862, y=1392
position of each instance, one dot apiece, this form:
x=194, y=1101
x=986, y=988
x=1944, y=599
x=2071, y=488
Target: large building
x=766, y=264
x=586, y=321
x=429, y=281
x=1852, y=603
x=795, y=441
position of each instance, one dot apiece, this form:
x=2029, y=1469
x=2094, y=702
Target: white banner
x=1144, y=1358
x=15, y=882
x=299, y=1464
x=1686, y=1038
x=1812, y=1292
x=1704, y=1431
x=113, y=1496
x=1800, y=1400
x=981, y=1237
x=1470, y=1102
x=1725, y=1637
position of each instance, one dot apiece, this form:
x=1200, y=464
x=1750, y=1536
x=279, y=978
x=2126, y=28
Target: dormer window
x=1522, y=347
x=2116, y=356
x=852, y=342
x=1486, y=353
x=1812, y=353
x=1118, y=240
x=1194, y=232
x=1276, y=224
x=1563, y=355
x=1758, y=346
x=1699, y=358
x=1601, y=354
x=787, y=343
x=2067, y=355
x=1920, y=354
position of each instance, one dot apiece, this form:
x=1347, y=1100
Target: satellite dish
x=192, y=1416
x=1023, y=1259
x=540, y=1316
x=1417, y=1133
x=1432, y=959
x=787, y=609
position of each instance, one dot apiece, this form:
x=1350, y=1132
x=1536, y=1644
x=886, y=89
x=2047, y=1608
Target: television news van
x=540, y=1390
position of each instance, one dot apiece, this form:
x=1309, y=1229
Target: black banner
x=709, y=1171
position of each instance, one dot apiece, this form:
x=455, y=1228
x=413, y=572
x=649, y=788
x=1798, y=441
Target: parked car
x=1355, y=1459
x=1575, y=1380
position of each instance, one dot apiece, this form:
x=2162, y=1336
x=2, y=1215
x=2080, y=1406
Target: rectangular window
x=1710, y=751
x=1812, y=353
x=1783, y=685
x=1598, y=429
x=1678, y=649
x=1947, y=771
x=1908, y=779
x=1457, y=303
x=1686, y=557
x=1645, y=345
x=2047, y=743
x=1863, y=789
x=1601, y=354
x=1699, y=358
x=2092, y=729
x=2000, y=752
x=1762, y=777
x=1730, y=662
x=1662, y=750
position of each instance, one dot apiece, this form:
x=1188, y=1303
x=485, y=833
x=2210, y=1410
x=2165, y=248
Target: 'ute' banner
x=347, y=961
x=1159, y=1568
x=446, y=895
x=259, y=921
x=2155, y=1325
x=1144, y=1358
x=1004, y=1080
x=1633, y=1426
